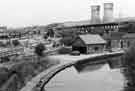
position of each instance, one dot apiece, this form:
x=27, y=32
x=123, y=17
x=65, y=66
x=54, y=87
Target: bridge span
x=39, y=82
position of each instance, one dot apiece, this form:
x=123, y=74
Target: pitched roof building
x=89, y=43
x=92, y=39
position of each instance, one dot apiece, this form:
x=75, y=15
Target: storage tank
x=95, y=14
x=108, y=12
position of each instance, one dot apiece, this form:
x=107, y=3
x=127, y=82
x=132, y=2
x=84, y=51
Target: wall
x=95, y=48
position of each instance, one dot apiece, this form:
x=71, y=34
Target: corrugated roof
x=92, y=39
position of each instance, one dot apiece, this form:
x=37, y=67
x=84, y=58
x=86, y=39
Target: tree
x=64, y=50
x=39, y=49
x=45, y=36
x=68, y=40
x=50, y=33
x=2, y=44
x=129, y=69
x=15, y=42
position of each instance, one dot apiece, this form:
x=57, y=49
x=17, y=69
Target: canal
x=91, y=78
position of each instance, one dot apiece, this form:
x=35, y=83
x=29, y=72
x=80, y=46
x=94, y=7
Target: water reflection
x=95, y=78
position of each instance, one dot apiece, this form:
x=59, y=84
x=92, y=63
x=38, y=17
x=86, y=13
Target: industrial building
x=105, y=24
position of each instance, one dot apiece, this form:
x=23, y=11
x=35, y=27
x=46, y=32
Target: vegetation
x=39, y=49
x=45, y=36
x=68, y=37
x=50, y=33
x=16, y=42
x=129, y=69
x=17, y=76
x=67, y=40
x=2, y=44
x=64, y=50
x=50, y=29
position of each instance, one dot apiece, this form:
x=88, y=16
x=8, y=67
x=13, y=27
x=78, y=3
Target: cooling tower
x=108, y=12
x=95, y=14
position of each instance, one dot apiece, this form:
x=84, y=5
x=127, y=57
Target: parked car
x=75, y=53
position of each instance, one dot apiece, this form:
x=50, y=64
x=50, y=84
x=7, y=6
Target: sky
x=21, y=13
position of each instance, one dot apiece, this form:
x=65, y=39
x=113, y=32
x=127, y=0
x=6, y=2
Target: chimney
x=95, y=14
x=108, y=12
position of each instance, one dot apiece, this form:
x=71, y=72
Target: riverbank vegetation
x=129, y=69
x=14, y=78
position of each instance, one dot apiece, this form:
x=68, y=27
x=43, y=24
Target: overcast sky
x=18, y=13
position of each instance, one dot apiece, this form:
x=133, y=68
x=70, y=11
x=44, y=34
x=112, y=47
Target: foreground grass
x=16, y=77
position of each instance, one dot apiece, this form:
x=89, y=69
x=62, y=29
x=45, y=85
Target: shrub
x=67, y=41
x=64, y=50
x=2, y=44
x=39, y=49
x=129, y=68
x=45, y=36
x=16, y=42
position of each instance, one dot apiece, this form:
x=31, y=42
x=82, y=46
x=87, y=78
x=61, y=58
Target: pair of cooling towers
x=107, y=14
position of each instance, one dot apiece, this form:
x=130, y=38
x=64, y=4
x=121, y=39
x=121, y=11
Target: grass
x=22, y=72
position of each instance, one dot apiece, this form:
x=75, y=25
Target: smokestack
x=108, y=12
x=95, y=14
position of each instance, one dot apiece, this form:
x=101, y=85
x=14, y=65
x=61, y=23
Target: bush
x=23, y=71
x=129, y=68
x=64, y=50
x=2, y=44
x=39, y=49
x=5, y=59
x=45, y=36
x=16, y=42
x=67, y=41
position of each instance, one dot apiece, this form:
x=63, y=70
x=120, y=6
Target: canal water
x=91, y=78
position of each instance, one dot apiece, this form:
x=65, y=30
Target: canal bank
x=101, y=79
x=48, y=74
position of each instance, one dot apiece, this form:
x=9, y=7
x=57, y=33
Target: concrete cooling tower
x=108, y=12
x=95, y=13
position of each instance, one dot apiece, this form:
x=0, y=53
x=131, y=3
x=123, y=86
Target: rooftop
x=92, y=39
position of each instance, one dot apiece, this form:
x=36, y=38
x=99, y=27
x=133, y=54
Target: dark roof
x=129, y=36
x=92, y=39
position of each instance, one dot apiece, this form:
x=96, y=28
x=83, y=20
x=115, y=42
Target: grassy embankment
x=24, y=70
